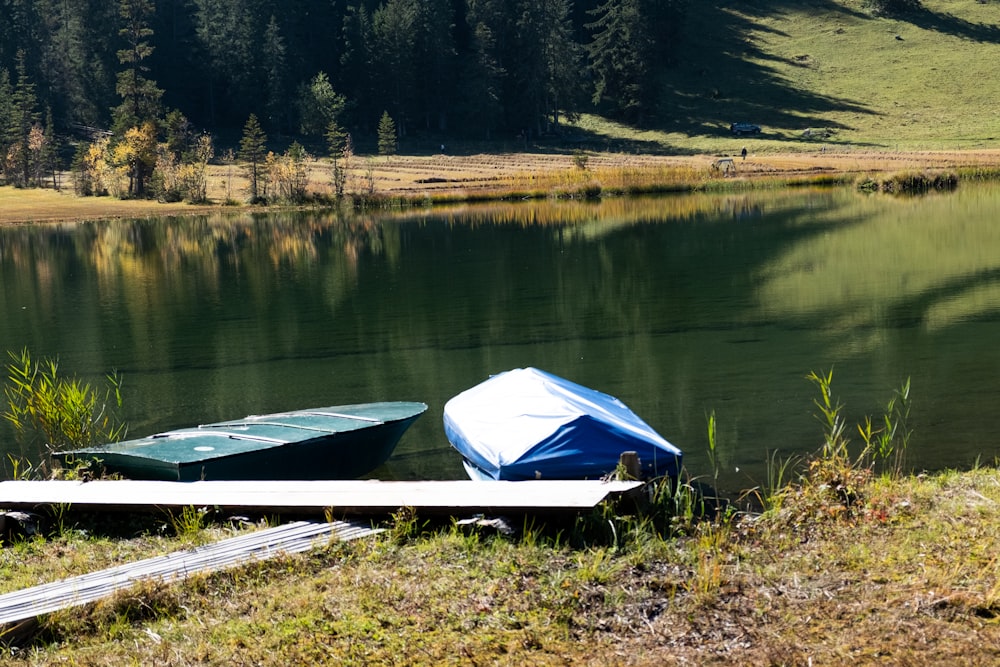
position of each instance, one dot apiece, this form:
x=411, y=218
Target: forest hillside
x=112, y=81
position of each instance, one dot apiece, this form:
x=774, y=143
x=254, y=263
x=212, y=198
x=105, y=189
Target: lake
x=681, y=306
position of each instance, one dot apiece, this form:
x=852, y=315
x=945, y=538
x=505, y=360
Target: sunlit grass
x=918, y=553
x=911, y=551
x=618, y=581
x=408, y=182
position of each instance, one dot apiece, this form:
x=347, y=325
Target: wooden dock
x=339, y=498
x=19, y=610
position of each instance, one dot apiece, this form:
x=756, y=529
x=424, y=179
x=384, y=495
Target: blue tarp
x=529, y=424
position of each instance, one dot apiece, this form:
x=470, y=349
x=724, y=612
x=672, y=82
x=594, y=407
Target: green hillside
x=926, y=80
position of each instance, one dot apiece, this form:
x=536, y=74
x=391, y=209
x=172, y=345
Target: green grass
x=923, y=81
x=843, y=566
x=839, y=561
x=907, y=574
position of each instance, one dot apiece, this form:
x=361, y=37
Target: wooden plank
x=344, y=498
x=19, y=609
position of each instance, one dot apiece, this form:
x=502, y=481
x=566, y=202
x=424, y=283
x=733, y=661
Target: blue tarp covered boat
x=529, y=424
x=338, y=442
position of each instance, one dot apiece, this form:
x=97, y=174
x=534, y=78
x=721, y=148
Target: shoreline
x=838, y=563
x=445, y=178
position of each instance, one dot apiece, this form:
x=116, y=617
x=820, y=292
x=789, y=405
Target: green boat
x=338, y=442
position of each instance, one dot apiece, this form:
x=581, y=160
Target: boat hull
x=337, y=442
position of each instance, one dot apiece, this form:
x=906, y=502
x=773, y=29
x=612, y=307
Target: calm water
x=679, y=306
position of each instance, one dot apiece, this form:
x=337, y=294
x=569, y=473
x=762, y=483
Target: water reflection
x=928, y=261
x=679, y=305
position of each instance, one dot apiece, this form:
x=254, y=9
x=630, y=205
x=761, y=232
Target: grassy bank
x=842, y=559
x=424, y=180
x=838, y=559
x=906, y=573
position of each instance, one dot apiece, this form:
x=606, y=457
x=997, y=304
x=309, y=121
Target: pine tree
x=23, y=117
x=336, y=139
x=620, y=59
x=551, y=61
x=319, y=105
x=480, y=105
x=338, y=142
x=6, y=115
x=386, y=135
x=180, y=134
x=435, y=63
x=50, y=152
x=229, y=34
x=253, y=153
x=394, y=31
x=356, y=62
x=140, y=96
x=137, y=115
x=275, y=75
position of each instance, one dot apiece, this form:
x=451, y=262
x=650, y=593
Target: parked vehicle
x=744, y=128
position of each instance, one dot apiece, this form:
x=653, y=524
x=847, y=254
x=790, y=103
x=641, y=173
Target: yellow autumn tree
x=135, y=154
x=98, y=175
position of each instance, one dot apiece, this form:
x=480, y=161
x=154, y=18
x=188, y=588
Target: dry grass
x=476, y=175
x=454, y=178
x=46, y=205
x=908, y=576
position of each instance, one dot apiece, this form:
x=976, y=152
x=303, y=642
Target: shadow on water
x=679, y=305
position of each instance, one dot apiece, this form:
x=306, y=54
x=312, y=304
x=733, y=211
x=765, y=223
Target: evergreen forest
x=135, y=97
x=462, y=68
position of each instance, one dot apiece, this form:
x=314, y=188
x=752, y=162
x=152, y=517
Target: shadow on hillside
x=723, y=75
x=562, y=141
x=952, y=25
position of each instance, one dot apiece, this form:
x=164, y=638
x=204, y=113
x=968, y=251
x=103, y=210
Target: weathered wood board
x=342, y=498
x=20, y=609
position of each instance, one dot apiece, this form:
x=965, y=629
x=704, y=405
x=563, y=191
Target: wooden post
x=629, y=462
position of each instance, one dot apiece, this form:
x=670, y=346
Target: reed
x=886, y=444
x=979, y=173
x=599, y=183
x=709, y=568
x=911, y=182
x=189, y=524
x=51, y=412
x=777, y=487
x=713, y=455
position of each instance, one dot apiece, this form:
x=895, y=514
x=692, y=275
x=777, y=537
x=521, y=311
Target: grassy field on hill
x=921, y=81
